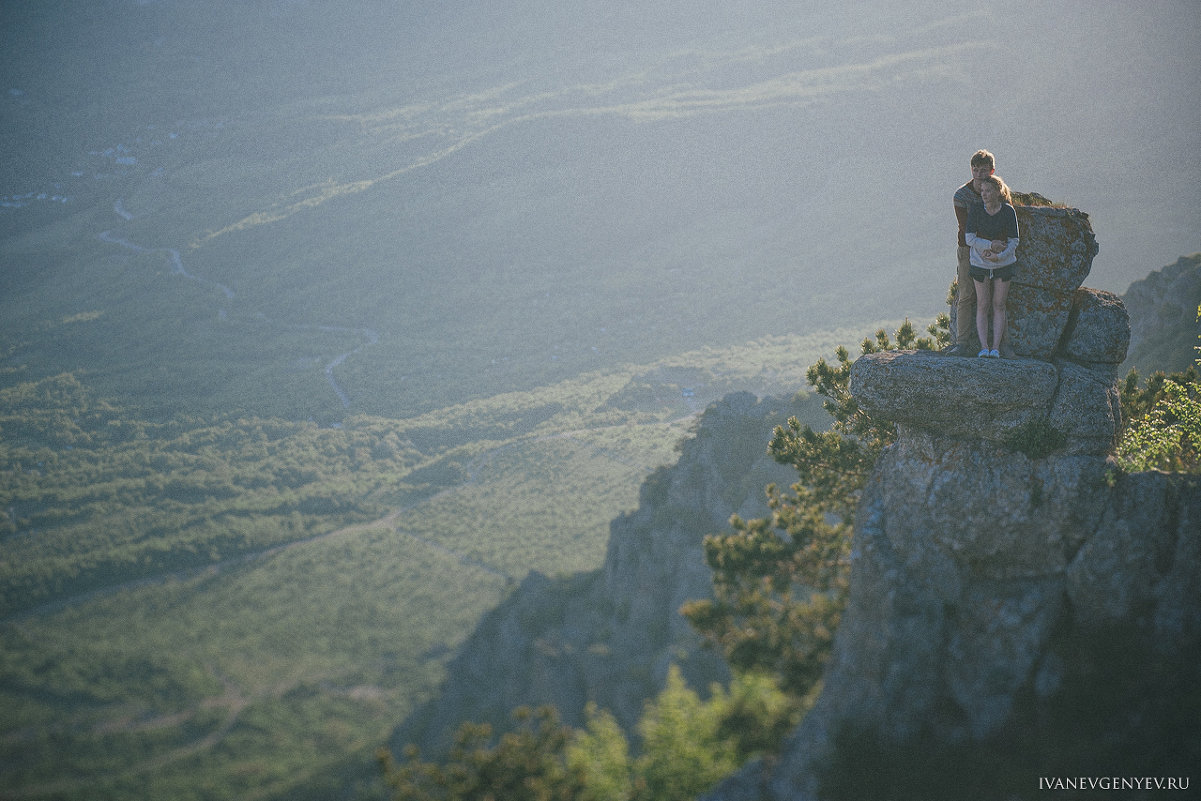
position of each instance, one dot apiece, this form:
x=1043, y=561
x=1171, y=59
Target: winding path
x=369, y=336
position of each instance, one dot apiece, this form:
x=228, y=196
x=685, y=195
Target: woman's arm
x=981, y=248
x=1011, y=247
x=976, y=243
x=1011, y=242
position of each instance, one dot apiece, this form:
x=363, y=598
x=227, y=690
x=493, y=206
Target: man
x=966, y=343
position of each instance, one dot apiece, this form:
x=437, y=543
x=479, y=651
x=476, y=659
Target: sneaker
x=994, y=354
x=983, y=354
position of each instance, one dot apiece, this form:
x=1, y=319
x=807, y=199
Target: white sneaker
x=983, y=354
x=994, y=354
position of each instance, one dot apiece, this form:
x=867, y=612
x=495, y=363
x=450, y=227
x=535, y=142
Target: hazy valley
x=366, y=311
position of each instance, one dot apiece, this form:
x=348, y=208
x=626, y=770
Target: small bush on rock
x=1038, y=439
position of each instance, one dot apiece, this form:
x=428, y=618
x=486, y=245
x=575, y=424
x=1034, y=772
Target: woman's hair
x=984, y=157
x=996, y=181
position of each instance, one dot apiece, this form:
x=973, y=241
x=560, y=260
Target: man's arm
x=961, y=218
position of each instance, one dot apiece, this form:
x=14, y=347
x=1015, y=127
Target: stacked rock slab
x=994, y=527
x=1055, y=254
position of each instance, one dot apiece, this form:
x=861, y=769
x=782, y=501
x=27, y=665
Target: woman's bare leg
x=1000, y=294
x=982, y=306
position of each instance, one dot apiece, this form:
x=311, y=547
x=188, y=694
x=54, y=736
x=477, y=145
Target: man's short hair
x=984, y=157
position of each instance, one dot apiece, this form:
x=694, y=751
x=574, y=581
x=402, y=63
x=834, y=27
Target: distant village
x=111, y=162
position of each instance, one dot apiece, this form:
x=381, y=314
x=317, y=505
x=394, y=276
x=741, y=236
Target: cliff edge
x=608, y=636
x=1018, y=609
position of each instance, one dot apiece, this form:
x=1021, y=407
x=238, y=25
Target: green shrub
x=1037, y=439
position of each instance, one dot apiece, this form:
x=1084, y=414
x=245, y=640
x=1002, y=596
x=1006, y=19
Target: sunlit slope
x=241, y=607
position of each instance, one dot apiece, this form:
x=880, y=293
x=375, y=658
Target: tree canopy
x=780, y=582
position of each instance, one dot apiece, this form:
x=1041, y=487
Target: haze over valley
x=481, y=201
x=323, y=324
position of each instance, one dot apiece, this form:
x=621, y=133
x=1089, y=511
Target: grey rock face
x=609, y=636
x=1055, y=254
x=988, y=510
x=982, y=560
x=1163, y=314
x=975, y=573
x=983, y=398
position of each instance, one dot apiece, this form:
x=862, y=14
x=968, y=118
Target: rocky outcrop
x=977, y=608
x=1071, y=393
x=1055, y=253
x=1013, y=601
x=609, y=636
x=1001, y=565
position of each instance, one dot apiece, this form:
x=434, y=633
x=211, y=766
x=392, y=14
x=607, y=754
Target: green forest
x=229, y=606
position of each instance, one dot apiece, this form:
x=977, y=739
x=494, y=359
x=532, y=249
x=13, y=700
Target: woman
x=992, y=235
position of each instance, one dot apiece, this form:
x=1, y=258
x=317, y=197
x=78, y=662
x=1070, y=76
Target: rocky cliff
x=1163, y=317
x=609, y=636
x=1017, y=608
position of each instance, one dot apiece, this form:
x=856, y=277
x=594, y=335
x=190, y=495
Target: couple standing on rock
x=988, y=240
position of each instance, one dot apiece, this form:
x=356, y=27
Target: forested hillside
x=219, y=606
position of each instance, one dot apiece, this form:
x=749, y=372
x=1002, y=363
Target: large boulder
x=1098, y=328
x=994, y=400
x=984, y=398
x=1055, y=255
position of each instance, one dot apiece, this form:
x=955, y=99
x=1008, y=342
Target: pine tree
x=526, y=764
x=780, y=582
x=1163, y=415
